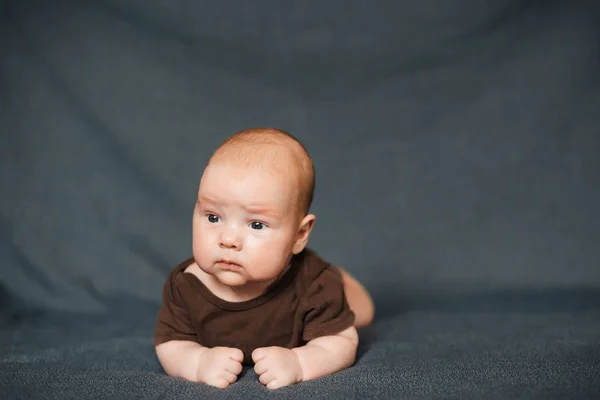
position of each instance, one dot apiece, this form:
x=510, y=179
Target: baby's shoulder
x=318, y=273
x=194, y=269
x=177, y=275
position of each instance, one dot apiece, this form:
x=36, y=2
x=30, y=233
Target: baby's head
x=252, y=211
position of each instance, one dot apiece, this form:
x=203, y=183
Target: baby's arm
x=217, y=366
x=180, y=358
x=327, y=354
x=279, y=366
x=326, y=312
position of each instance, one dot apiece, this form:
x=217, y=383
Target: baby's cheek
x=274, y=258
x=201, y=245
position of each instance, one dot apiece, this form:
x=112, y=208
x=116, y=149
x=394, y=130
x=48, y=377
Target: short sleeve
x=173, y=321
x=326, y=310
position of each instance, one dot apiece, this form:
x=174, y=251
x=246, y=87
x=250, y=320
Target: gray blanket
x=429, y=354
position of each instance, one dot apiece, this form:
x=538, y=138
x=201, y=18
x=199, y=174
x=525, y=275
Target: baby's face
x=245, y=217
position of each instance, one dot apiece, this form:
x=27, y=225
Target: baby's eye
x=212, y=218
x=257, y=225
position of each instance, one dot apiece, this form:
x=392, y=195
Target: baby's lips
x=227, y=264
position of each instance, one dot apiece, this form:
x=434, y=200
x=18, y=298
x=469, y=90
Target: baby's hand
x=277, y=366
x=219, y=366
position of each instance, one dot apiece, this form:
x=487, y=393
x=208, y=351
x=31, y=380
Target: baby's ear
x=303, y=233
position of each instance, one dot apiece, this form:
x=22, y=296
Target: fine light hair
x=276, y=150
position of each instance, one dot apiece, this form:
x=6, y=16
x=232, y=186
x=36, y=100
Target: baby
x=253, y=293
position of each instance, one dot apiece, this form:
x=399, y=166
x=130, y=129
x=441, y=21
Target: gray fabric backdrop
x=456, y=143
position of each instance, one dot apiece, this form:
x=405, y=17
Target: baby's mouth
x=229, y=265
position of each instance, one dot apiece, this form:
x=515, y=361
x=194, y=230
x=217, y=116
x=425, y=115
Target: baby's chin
x=243, y=283
x=229, y=278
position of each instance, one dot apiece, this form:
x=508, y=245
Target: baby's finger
x=230, y=377
x=260, y=368
x=237, y=355
x=234, y=367
x=266, y=378
x=275, y=384
x=221, y=383
x=258, y=354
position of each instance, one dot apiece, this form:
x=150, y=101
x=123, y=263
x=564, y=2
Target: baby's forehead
x=273, y=152
x=271, y=158
x=247, y=187
x=263, y=174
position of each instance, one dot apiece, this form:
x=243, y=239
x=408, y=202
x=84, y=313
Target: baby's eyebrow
x=261, y=209
x=258, y=209
x=206, y=199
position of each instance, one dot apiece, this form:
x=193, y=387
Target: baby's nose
x=230, y=239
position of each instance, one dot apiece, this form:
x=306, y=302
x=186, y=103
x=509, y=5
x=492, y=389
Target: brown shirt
x=307, y=302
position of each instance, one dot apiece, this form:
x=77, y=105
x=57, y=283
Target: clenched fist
x=276, y=366
x=219, y=366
